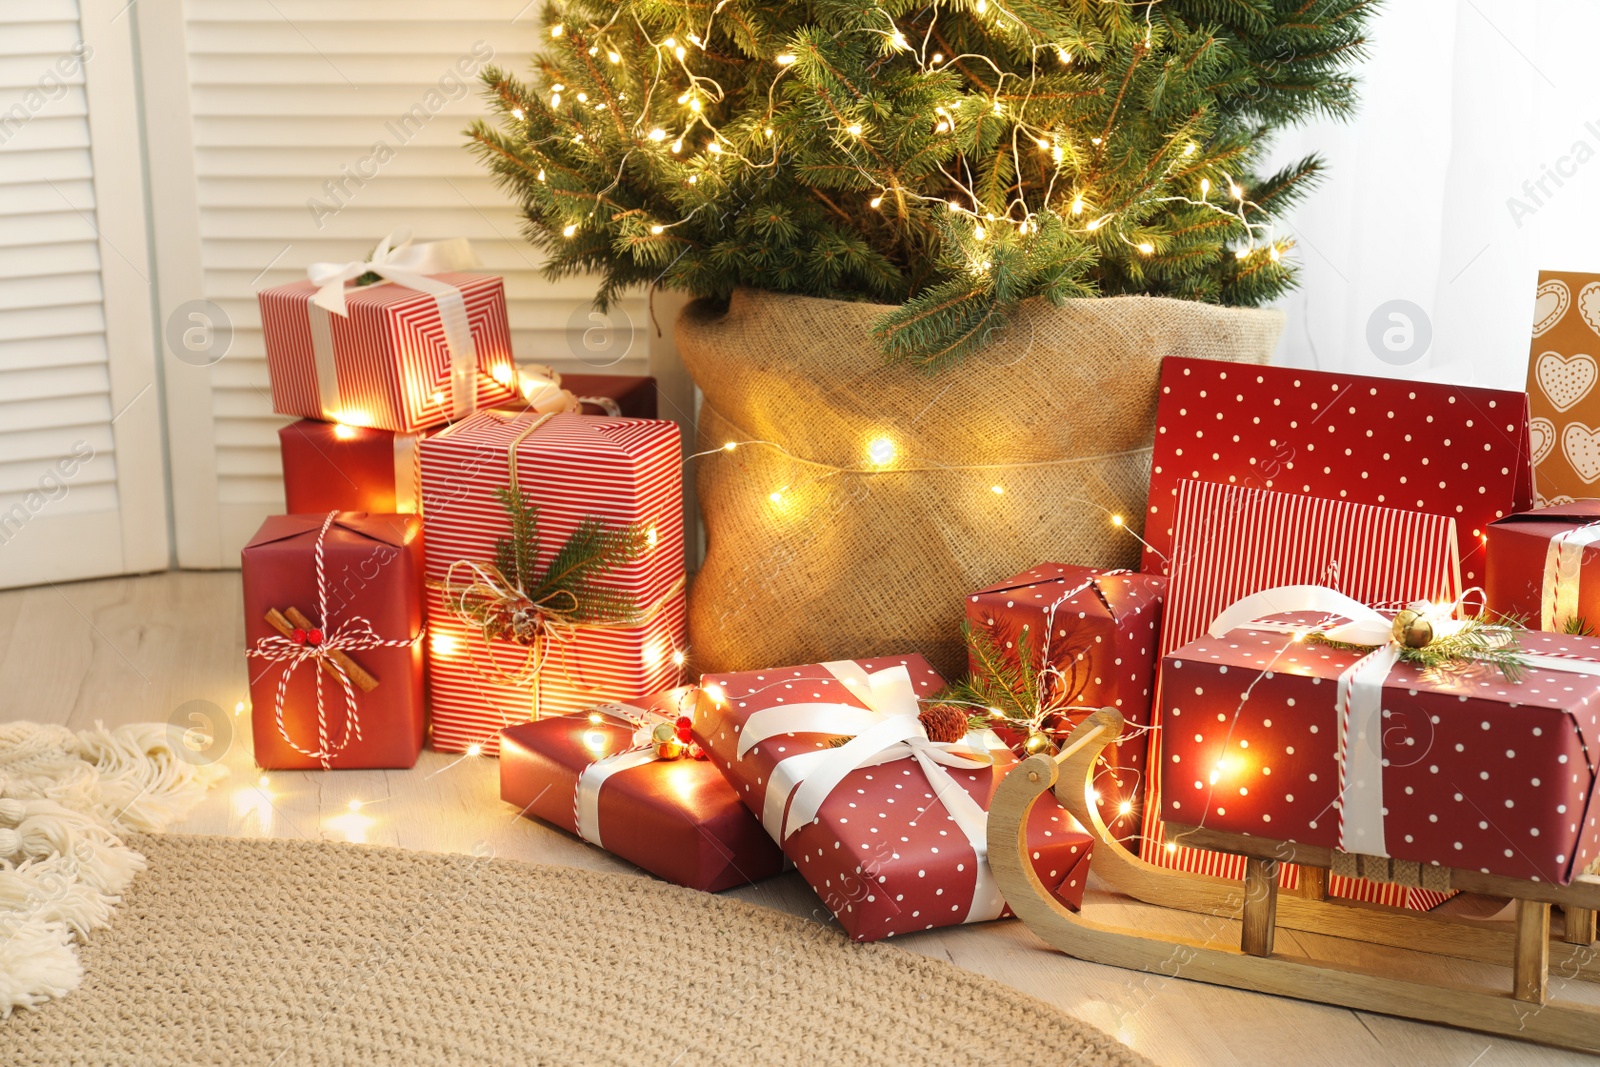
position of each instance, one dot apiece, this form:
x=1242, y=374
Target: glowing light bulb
x=353, y=807
x=238, y=708
x=997, y=490
x=898, y=40
x=445, y=644
x=1205, y=188
x=502, y=374
x=1094, y=140
x=1234, y=191
x=1094, y=224
x=1042, y=143
x=658, y=229
x=677, y=146
x=671, y=42
x=775, y=496
x=1063, y=55
x=651, y=537
x=263, y=781
x=714, y=148
x=938, y=57
x=785, y=59
x=876, y=201
x=541, y=174
x=983, y=5
x=854, y=129
x=557, y=30
x=881, y=452
x=583, y=98
x=694, y=105
x=596, y=718
x=1189, y=149
x=1243, y=253
x=1116, y=520
x=730, y=446
x=1171, y=848
x=614, y=57
x=679, y=659
x=343, y=432
x=1145, y=247
x=1056, y=153
x=942, y=127
x=678, y=51
x=569, y=230
x=555, y=99
x=1274, y=253
x=474, y=749
x=714, y=691
x=1124, y=808
x=1077, y=205
x=517, y=113
x=979, y=232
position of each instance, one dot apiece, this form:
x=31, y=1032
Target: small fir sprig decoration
x=1021, y=691
x=519, y=600
x=1444, y=644
x=951, y=158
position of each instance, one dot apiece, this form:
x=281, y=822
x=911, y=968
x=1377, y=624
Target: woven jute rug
x=229, y=951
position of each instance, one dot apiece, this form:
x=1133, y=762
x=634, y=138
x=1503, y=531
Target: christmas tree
x=950, y=158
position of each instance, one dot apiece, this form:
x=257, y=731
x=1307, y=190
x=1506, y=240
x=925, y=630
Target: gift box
x=1456, y=767
x=334, y=623
x=1444, y=450
x=397, y=358
x=625, y=395
x=1562, y=400
x=1544, y=567
x=597, y=775
x=575, y=469
x=1231, y=541
x=1093, y=637
x=888, y=826
x=332, y=466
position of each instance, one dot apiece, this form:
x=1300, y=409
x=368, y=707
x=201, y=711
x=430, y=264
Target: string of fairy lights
x=673, y=55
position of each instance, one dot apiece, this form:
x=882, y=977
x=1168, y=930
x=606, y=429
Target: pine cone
x=944, y=722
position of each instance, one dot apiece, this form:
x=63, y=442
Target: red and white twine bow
x=320, y=647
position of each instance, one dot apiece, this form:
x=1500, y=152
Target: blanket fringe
x=65, y=797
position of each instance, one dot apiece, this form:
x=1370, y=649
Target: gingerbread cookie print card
x=1563, y=398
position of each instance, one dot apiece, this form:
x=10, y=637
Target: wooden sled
x=1525, y=1010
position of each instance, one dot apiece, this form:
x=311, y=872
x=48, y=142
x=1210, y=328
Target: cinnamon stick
x=285, y=623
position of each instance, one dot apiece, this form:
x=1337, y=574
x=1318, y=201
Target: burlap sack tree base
x=1058, y=414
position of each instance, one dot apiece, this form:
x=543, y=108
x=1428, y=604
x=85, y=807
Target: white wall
x=1466, y=104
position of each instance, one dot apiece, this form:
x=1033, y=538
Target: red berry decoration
x=298, y=637
x=315, y=637
x=683, y=729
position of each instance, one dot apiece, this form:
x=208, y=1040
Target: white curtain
x=1473, y=164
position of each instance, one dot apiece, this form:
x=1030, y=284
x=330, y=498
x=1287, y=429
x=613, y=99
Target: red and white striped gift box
x=389, y=354
x=572, y=467
x=1229, y=541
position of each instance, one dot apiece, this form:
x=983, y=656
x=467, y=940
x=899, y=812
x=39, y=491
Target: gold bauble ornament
x=663, y=733
x=1412, y=629
x=673, y=749
x=1039, y=744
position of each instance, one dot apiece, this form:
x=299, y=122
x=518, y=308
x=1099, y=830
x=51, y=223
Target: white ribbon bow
x=887, y=729
x=1358, y=701
x=397, y=260
x=586, y=797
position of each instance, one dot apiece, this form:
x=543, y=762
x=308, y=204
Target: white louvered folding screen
x=283, y=132
x=82, y=488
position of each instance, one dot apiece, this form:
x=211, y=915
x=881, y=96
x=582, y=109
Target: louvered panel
x=286, y=101
x=29, y=198
x=45, y=290
x=70, y=351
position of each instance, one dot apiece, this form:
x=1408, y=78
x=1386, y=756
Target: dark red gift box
x=1102, y=630
x=886, y=850
x=631, y=396
x=678, y=819
x=331, y=466
x=1544, y=567
x=373, y=581
x=1475, y=771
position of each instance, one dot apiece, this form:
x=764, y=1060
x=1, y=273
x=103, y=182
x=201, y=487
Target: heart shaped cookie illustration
x=1542, y=435
x=1550, y=304
x=1566, y=379
x=1588, y=305
x=1581, y=446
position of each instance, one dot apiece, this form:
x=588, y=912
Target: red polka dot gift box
x=1092, y=635
x=887, y=823
x=1269, y=735
x=1447, y=450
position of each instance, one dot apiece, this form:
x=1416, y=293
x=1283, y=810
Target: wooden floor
x=126, y=650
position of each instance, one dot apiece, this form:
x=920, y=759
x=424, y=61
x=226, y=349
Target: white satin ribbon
x=1563, y=558
x=586, y=800
x=885, y=731
x=397, y=260
x=1358, y=701
x=542, y=391
x=405, y=472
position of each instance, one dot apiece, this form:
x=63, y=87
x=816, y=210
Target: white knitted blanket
x=65, y=797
